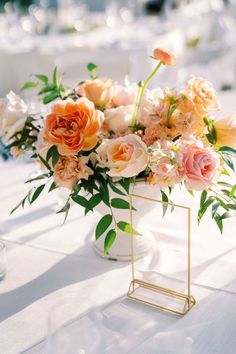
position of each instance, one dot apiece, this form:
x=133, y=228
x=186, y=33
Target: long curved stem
x=142, y=91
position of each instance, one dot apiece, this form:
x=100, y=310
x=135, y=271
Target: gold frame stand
x=187, y=299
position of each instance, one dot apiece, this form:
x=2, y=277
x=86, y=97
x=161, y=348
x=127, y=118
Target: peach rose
x=165, y=56
x=123, y=96
x=201, y=165
x=70, y=169
x=203, y=95
x=226, y=131
x=125, y=156
x=119, y=119
x=99, y=91
x=73, y=126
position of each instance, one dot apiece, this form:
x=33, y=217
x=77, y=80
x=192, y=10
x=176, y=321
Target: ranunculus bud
x=165, y=56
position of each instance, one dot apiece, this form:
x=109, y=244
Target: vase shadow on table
x=123, y=326
x=60, y=275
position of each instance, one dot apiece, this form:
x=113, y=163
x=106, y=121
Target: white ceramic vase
x=121, y=248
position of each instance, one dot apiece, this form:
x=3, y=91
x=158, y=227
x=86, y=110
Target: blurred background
x=119, y=36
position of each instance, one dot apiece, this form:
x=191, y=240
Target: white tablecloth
x=54, y=271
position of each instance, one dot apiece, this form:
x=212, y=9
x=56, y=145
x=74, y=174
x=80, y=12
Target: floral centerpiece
x=102, y=136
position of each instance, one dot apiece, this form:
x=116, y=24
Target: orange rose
x=73, y=126
x=165, y=56
x=70, y=169
x=99, y=91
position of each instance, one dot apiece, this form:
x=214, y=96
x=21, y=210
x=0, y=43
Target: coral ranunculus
x=226, y=131
x=165, y=56
x=73, y=126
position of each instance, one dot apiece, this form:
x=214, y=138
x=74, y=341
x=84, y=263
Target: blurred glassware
x=3, y=260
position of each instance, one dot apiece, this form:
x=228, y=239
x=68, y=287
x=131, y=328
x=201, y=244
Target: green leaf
x=54, y=76
x=50, y=152
x=52, y=187
x=115, y=189
x=92, y=69
x=42, y=78
x=203, y=198
x=44, y=175
x=231, y=206
x=219, y=222
x=227, y=159
x=37, y=192
x=214, y=209
x=22, y=202
x=125, y=227
x=103, y=225
x=47, y=88
x=29, y=85
x=94, y=201
x=165, y=199
x=65, y=210
x=120, y=203
x=228, y=150
x=232, y=192
x=105, y=194
x=49, y=98
x=204, y=207
x=55, y=157
x=109, y=240
x=125, y=183
x=45, y=163
x=81, y=201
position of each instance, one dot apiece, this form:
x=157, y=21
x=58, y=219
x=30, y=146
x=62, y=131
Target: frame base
x=187, y=300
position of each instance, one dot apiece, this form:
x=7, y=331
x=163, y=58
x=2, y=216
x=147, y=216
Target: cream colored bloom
x=125, y=156
x=226, y=131
x=119, y=119
x=13, y=114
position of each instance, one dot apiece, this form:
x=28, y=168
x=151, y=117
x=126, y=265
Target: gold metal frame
x=188, y=299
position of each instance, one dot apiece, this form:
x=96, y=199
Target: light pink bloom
x=201, y=164
x=123, y=96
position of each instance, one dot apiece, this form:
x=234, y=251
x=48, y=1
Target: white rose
x=13, y=114
x=124, y=95
x=125, y=156
x=119, y=119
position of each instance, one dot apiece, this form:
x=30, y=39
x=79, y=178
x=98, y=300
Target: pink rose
x=201, y=166
x=125, y=156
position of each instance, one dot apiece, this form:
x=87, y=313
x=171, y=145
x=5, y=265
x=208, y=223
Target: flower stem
x=142, y=91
